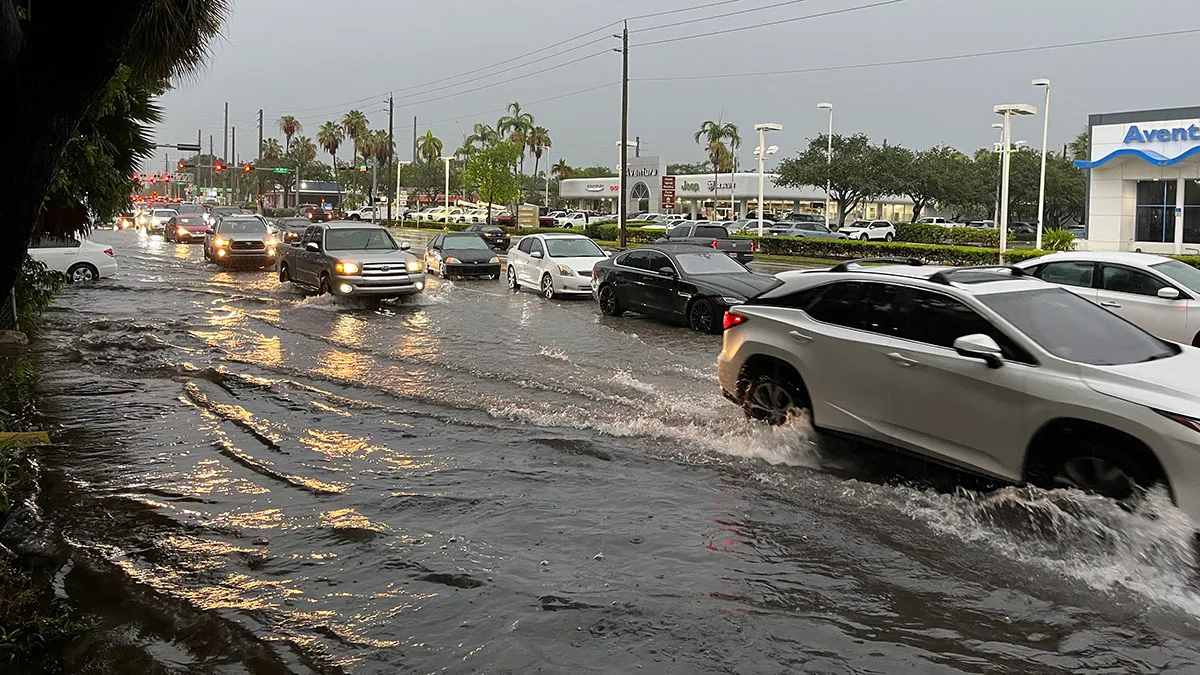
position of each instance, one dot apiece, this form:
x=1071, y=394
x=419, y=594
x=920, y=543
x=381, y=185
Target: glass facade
x=1156, y=202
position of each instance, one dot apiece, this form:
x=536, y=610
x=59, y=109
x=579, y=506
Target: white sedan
x=873, y=230
x=1161, y=295
x=80, y=260
x=554, y=263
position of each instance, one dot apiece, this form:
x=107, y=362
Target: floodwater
x=251, y=481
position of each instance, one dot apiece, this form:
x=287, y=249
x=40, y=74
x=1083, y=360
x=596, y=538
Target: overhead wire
x=833, y=12
x=719, y=16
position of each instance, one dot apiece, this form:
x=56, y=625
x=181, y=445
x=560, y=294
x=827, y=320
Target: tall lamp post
x=828, y=157
x=1043, y=82
x=400, y=164
x=761, y=153
x=621, y=173
x=999, y=149
x=446, y=161
x=1008, y=110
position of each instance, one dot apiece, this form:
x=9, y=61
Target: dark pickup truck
x=712, y=236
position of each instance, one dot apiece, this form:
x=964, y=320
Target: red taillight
x=109, y=252
x=714, y=244
x=732, y=320
x=752, y=247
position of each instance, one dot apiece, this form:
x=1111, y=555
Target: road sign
x=280, y=169
x=187, y=147
x=668, y=183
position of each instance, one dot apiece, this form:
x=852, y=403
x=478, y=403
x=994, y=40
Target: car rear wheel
x=284, y=275
x=771, y=397
x=547, y=287
x=610, y=304
x=702, y=316
x=82, y=273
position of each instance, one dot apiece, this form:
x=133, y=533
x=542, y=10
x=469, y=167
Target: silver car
x=986, y=369
x=1157, y=293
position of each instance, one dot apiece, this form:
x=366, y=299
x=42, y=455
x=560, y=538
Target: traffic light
x=246, y=168
x=219, y=166
x=180, y=165
x=137, y=178
x=362, y=168
x=166, y=178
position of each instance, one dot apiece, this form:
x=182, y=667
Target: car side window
x=1079, y=274
x=681, y=231
x=636, y=259
x=655, y=261
x=536, y=246
x=526, y=245
x=938, y=320
x=1125, y=280
x=839, y=304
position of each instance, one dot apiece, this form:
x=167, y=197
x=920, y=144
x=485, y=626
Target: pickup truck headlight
x=346, y=268
x=565, y=271
x=414, y=266
x=272, y=241
x=220, y=241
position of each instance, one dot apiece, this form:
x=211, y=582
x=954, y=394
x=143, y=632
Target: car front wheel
x=865, y=237
x=547, y=287
x=702, y=316
x=513, y=284
x=1098, y=467
x=610, y=304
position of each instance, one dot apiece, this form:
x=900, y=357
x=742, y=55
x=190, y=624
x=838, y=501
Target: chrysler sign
x=592, y=187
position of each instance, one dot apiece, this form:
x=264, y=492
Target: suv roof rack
x=943, y=277
x=845, y=266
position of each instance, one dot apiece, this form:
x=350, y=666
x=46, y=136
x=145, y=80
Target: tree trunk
x=50, y=96
x=918, y=207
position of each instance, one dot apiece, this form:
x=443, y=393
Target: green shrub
x=920, y=233
x=849, y=249
x=1055, y=239
x=633, y=232
x=36, y=288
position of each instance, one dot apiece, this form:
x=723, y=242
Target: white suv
x=987, y=369
x=876, y=230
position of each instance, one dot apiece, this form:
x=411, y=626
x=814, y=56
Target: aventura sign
x=1137, y=135
x=644, y=172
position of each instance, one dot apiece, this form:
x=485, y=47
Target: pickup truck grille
x=384, y=269
x=247, y=245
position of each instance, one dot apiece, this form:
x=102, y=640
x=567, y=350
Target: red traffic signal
x=180, y=165
x=219, y=166
x=246, y=168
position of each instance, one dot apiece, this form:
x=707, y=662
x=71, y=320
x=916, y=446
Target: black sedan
x=677, y=282
x=461, y=254
x=291, y=229
x=494, y=235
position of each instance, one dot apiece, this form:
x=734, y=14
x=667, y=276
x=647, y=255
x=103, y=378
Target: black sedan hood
x=469, y=254
x=737, y=285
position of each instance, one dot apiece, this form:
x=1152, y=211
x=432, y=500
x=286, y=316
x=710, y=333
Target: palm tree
x=304, y=150
x=561, y=170
x=517, y=125
x=290, y=126
x=538, y=141
x=271, y=149
x=330, y=136
x=382, y=146
x=714, y=135
x=355, y=124
x=430, y=147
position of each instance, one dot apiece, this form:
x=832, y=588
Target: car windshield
x=1075, y=329
x=466, y=243
x=1182, y=272
x=360, y=239
x=189, y=208
x=860, y=223
x=190, y=220
x=708, y=263
x=247, y=226
x=226, y=211
x=163, y=213
x=294, y=222
x=574, y=248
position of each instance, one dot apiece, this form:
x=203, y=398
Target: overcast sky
x=317, y=59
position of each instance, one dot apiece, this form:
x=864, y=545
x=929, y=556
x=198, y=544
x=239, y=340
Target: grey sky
x=316, y=59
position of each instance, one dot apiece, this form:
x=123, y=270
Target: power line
x=511, y=79
x=929, y=59
x=545, y=100
x=677, y=11
x=771, y=23
x=719, y=16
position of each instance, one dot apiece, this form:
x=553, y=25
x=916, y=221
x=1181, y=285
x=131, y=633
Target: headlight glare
x=414, y=266
x=346, y=268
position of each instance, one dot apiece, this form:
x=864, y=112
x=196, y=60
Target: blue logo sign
x=1136, y=135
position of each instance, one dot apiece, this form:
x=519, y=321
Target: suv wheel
x=284, y=277
x=865, y=237
x=324, y=289
x=770, y=397
x=889, y=237
x=702, y=316
x=1101, y=468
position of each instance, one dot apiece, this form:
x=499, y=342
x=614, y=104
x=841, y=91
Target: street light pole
x=447, y=214
x=828, y=158
x=1008, y=111
x=762, y=151
x=999, y=147
x=400, y=164
x=1042, y=186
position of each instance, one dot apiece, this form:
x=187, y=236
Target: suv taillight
x=714, y=244
x=732, y=320
x=752, y=247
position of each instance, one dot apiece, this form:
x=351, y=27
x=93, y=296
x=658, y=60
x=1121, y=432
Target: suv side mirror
x=1168, y=293
x=313, y=246
x=404, y=246
x=980, y=346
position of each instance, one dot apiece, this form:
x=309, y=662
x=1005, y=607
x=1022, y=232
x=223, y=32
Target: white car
x=363, y=213
x=80, y=260
x=159, y=218
x=557, y=264
x=1162, y=295
x=987, y=369
x=937, y=220
x=573, y=219
x=556, y=214
x=873, y=230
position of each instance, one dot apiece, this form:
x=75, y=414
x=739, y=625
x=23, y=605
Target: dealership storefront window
x=1155, y=215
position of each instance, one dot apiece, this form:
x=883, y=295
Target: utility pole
x=196, y=169
x=212, y=158
x=621, y=241
x=637, y=149
x=414, y=148
x=225, y=139
x=258, y=194
x=236, y=168
x=167, y=170
x=391, y=145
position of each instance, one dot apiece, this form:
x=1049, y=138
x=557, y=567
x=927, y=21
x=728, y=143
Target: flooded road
x=477, y=481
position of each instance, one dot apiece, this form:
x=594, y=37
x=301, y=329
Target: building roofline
x=1132, y=116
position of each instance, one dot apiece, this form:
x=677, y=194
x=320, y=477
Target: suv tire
x=771, y=397
x=1099, y=467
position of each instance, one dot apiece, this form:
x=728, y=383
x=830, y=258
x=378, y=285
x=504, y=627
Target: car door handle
x=903, y=360
x=1107, y=303
x=800, y=337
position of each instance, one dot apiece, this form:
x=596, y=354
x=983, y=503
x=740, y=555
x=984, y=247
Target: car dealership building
x=1144, y=181
x=651, y=189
